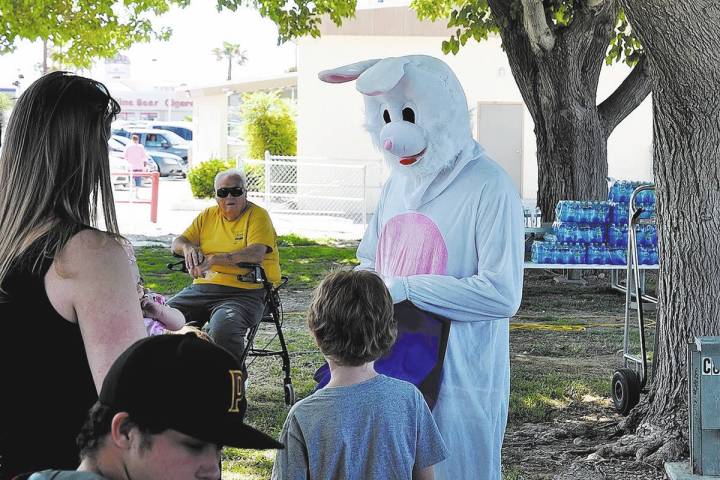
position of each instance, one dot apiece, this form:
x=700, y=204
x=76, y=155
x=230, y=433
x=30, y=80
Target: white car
x=119, y=170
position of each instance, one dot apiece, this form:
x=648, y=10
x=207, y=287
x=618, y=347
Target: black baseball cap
x=183, y=383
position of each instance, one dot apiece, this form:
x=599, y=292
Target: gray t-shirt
x=377, y=429
x=64, y=475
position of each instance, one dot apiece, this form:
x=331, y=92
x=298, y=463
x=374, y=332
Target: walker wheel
x=625, y=390
x=289, y=395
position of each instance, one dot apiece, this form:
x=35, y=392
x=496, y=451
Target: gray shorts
x=225, y=313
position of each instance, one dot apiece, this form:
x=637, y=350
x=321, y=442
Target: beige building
x=330, y=117
x=217, y=129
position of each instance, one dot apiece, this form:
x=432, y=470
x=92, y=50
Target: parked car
x=158, y=140
x=183, y=129
x=116, y=145
x=168, y=165
x=119, y=170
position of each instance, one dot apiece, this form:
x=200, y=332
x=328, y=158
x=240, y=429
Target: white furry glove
x=398, y=288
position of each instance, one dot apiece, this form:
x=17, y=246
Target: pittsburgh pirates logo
x=237, y=392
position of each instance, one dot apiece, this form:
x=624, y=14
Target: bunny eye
x=386, y=116
x=408, y=115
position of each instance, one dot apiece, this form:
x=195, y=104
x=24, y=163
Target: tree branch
x=631, y=92
x=539, y=33
x=596, y=3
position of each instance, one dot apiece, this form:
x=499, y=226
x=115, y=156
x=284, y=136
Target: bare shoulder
x=90, y=248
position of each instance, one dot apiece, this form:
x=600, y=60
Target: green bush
x=269, y=125
x=202, y=177
x=255, y=174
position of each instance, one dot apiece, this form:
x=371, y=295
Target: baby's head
x=351, y=317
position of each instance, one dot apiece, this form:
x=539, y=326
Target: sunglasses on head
x=234, y=191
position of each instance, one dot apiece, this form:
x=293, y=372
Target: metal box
x=704, y=405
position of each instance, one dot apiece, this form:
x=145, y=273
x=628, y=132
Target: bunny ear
x=346, y=73
x=383, y=76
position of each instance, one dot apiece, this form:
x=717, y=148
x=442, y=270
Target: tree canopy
x=474, y=19
x=82, y=30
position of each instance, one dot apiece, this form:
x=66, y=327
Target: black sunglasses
x=234, y=191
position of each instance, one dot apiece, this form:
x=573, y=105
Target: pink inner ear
x=337, y=78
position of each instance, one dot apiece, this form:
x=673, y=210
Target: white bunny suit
x=448, y=236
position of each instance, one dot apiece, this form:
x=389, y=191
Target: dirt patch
x=575, y=331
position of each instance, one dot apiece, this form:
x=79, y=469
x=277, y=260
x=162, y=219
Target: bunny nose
x=388, y=144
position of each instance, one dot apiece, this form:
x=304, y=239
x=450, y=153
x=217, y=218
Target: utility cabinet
x=704, y=405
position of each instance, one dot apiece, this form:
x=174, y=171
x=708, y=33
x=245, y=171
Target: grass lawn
x=564, y=346
x=304, y=262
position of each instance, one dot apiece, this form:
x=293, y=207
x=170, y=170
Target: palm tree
x=231, y=51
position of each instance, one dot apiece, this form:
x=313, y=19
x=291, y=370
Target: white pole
x=267, y=179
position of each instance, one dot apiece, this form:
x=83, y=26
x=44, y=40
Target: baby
x=159, y=317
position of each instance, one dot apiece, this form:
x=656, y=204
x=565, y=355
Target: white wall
x=330, y=117
x=209, y=127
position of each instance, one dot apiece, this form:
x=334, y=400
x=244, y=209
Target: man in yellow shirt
x=218, y=239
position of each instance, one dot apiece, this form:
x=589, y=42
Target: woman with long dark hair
x=68, y=303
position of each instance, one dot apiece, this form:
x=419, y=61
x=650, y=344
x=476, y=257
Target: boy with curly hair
x=362, y=425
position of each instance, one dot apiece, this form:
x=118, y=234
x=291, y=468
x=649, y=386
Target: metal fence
x=308, y=186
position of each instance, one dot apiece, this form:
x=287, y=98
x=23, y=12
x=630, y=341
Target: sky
x=187, y=57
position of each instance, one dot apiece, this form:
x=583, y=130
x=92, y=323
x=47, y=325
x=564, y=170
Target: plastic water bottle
x=647, y=212
x=565, y=255
x=650, y=236
x=620, y=213
x=618, y=256
x=556, y=256
x=571, y=211
x=617, y=235
x=640, y=234
x=648, y=256
x=603, y=212
x=600, y=233
x=535, y=250
x=579, y=254
x=565, y=211
x=562, y=231
x=541, y=252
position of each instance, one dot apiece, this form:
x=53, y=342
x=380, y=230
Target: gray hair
x=231, y=172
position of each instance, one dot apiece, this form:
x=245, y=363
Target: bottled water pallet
x=584, y=266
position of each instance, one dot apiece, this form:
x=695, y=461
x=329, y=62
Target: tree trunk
x=571, y=141
x=682, y=43
x=229, y=77
x=558, y=79
x=45, y=57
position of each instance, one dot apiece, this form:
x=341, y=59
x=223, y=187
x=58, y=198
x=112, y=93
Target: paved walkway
x=177, y=208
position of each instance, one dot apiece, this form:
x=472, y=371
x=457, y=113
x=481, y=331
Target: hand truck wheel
x=625, y=390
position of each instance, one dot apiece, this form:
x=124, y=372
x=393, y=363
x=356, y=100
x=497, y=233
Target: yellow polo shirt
x=215, y=234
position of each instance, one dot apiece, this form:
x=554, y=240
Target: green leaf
x=79, y=31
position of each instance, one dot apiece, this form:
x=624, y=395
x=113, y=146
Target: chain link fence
x=307, y=186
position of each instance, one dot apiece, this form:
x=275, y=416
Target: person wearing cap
x=167, y=406
x=220, y=237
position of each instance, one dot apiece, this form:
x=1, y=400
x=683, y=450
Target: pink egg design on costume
x=411, y=244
